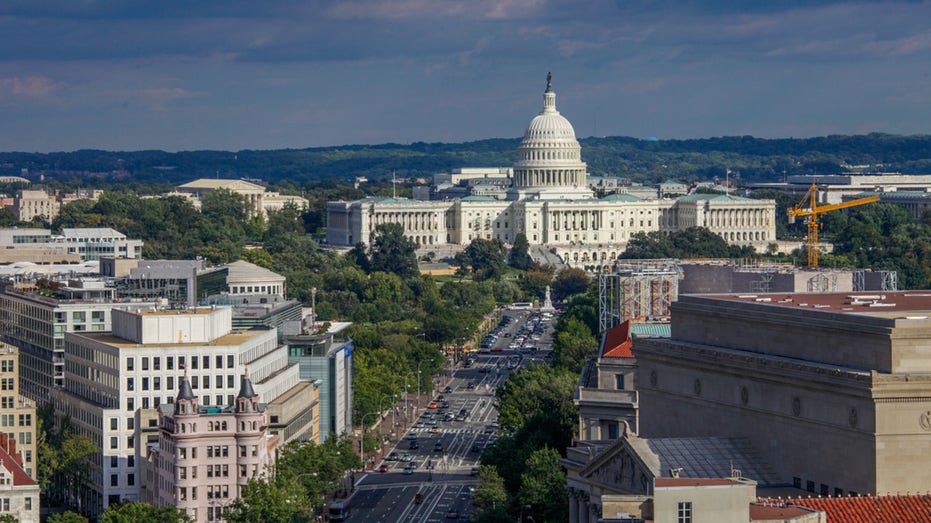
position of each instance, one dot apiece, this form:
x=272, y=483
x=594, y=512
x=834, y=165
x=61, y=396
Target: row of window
x=156, y=401
x=825, y=490
x=202, y=362
x=9, y=420
x=156, y=382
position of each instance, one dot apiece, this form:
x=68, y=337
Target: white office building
x=115, y=380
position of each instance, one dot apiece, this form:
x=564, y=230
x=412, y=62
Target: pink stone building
x=205, y=454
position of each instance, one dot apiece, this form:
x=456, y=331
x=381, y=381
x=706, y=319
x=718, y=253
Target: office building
x=114, y=381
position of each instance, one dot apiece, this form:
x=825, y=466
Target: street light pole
x=362, y=438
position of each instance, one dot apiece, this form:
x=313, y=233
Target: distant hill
x=650, y=160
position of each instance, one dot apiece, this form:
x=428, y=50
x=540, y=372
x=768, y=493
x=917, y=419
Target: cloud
x=160, y=97
x=35, y=87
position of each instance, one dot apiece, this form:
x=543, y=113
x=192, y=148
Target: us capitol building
x=549, y=201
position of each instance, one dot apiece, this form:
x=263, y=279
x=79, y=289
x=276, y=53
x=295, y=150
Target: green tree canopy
x=138, y=512
x=391, y=251
x=519, y=257
x=279, y=500
x=543, y=486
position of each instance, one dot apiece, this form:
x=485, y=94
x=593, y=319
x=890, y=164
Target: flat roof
x=695, y=482
x=864, y=303
x=768, y=512
x=236, y=337
x=199, y=311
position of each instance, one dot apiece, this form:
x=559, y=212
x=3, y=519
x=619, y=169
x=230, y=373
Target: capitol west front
x=550, y=202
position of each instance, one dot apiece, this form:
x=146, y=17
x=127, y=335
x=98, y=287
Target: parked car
x=383, y=468
x=448, y=389
x=408, y=471
x=392, y=457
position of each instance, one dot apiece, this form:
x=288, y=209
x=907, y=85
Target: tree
x=573, y=345
x=490, y=498
x=520, y=252
x=570, y=281
x=138, y=512
x=279, y=500
x=9, y=518
x=67, y=517
x=535, y=280
x=487, y=258
x=391, y=251
x=543, y=485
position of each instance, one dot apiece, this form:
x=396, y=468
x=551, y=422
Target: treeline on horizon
x=646, y=161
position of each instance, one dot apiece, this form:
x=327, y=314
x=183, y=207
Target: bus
x=522, y=305
x=339, y=510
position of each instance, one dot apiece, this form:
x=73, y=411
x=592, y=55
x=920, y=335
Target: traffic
x=429, y=470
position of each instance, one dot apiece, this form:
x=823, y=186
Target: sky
x=240, y=74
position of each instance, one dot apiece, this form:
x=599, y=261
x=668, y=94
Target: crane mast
x=808, y=208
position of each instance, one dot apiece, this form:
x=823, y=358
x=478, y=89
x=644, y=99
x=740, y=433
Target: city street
x=441, y=455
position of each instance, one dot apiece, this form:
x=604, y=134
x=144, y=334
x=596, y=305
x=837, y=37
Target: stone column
x=573, y=507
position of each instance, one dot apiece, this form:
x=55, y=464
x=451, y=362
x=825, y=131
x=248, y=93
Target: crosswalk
x=448, y=430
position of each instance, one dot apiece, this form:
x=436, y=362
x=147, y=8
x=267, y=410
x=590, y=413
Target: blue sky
x=241, y=74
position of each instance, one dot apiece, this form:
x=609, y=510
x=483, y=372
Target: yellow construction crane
x=808, y=208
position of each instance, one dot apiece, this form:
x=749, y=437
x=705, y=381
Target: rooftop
x=695, y=482
x=866, y=303
x=868, y=509
x=616, y=342
x=236, y=337
x=776, y=511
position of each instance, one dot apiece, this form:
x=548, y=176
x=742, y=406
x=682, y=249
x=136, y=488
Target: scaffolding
x=823, y=282
x=638, y=289
x=859, y=281
x=890, y=280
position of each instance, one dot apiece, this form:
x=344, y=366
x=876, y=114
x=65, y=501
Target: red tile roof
x=617, y=343
x=777, y=512
x=11, y=461
x=870, y=509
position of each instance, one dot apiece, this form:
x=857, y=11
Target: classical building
x=17, y=414
x=549, y=200
x=607, y=480
x=250, y=279
x=259, y=201
x=36, y=204
x=115, y=381
x=832, y=388
x=607, y=393
x=206, y=454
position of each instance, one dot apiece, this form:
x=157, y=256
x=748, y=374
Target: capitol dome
x=549, y=157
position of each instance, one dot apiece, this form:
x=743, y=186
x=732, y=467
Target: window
x=612, y=430
x=114, y=462
x=171, y=383
x=130, y=363
x=156, y=363
x=131, y=479
x=145, y=383
x=619, y=381
x=810, y=486
x=130, y=384
x=114, y=423
x=684, y=512
x=229, y=381
x=114, y=442
x=114, y=480
x=206, y=362
x=145, y=363
x=170, y=362
x=131, y=424
x=28, y=503
x=230, y=362
x=219, y=364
